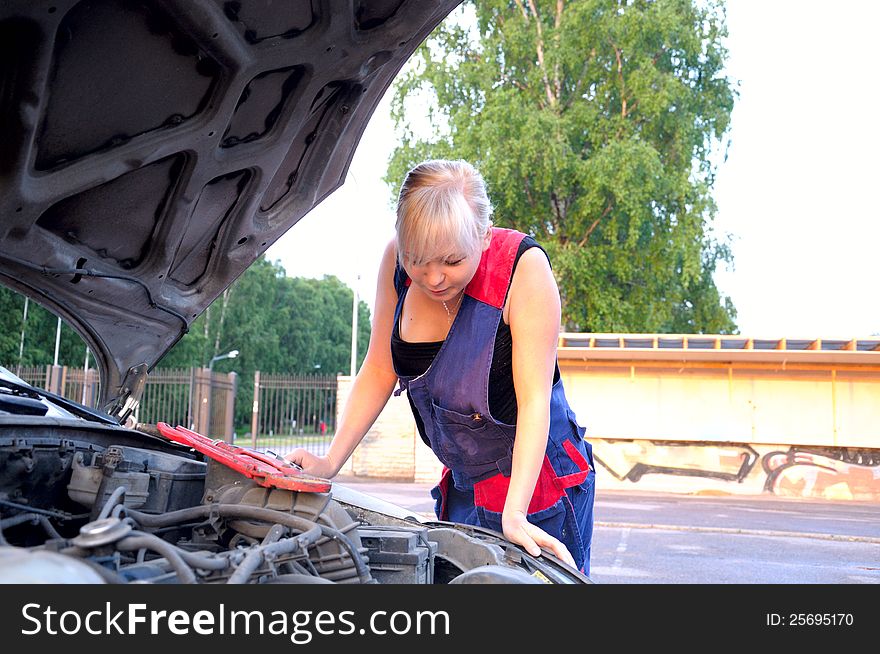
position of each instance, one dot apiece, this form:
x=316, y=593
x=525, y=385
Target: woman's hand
x=519, y=530
x=317, y=466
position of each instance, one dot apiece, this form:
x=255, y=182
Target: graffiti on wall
x=787, y=471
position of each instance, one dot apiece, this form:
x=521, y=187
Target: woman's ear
x=487, y=238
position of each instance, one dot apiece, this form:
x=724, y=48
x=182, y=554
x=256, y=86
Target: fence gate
x=293, y=411
x=196, y=398
x=77, y=384
x=168, y=396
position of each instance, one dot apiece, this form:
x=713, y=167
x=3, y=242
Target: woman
x=467, y=320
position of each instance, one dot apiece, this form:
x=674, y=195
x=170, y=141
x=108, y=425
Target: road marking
x=743, y=532
x=621, y=548
x=628, y=506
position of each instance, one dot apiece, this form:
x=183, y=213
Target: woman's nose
x=434, y=275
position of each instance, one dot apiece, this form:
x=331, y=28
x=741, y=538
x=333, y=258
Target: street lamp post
x=229, y=355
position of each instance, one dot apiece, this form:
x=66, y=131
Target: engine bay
x=94, y=505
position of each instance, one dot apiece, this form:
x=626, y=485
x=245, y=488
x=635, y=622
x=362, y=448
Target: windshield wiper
x=69, y=405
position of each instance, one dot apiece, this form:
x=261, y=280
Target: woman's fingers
x=513, y=525
x=298, y=456
x=318, y=466
x=545, y=540
x=532, y=538
x=528, y=543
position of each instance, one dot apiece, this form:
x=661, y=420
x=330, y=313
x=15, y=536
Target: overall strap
x=492, y=279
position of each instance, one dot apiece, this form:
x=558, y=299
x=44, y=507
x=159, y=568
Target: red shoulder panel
x=492, y=279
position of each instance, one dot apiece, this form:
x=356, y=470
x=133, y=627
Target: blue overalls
x=452, y=399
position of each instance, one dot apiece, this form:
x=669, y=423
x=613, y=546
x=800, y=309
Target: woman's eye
x=453, y=263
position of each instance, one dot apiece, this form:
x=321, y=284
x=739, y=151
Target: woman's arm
x=534, y=317
x=372, y=386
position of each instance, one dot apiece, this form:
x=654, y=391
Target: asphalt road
x=656, y=538
x=664, y=538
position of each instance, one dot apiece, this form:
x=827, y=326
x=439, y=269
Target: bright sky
x=796, y=192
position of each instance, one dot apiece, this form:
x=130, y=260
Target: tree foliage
x=278, y=324
x=40, y=330
x=593, y=123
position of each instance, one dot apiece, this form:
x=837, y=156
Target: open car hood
x=153, y=149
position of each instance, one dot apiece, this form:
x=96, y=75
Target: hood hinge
x=130, y=391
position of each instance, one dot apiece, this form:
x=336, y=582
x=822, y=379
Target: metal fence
x=289, y=411
x=81, y=385
x=168, y=397
x=221, y=406
x=34, y=375
x=293, y=411
x=193, y=397
x=76, y=384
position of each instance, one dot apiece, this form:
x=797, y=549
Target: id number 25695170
x=809, y=619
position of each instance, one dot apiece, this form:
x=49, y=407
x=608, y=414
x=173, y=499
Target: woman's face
x=445, y=276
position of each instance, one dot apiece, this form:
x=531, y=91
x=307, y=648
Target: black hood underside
x=153, y=149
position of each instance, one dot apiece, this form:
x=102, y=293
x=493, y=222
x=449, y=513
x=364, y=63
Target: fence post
x=55, y=380
x=201, y=417
x=89, y=383
x=190, y=406
x=229, y=418
x=255, y=411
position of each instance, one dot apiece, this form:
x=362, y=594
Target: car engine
x=94, y=505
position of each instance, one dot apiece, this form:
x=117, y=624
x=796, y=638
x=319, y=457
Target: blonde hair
x=442, y=209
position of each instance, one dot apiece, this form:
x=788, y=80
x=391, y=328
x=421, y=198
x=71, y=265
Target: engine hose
x=195, y=559
x=50, y=529
x=33, y=518
x=147, y=541
x=116, y=497
x=253, y=513
x=258, y=553
x=274, y=534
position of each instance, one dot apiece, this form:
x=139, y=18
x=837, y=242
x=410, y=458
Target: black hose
x=254, y=513
x=19, y=519
x=35, y=518
x=257, y=554
x=146, y=541
x=195, y=559
x=60, y=515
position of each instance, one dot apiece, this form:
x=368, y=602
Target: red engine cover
x=264, y=470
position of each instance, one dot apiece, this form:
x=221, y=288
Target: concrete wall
x=686, y=428
x=392, y=449
x=829, y=408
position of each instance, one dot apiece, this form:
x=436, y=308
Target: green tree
x=279, y=325
x=40, y=330
x=593, y=123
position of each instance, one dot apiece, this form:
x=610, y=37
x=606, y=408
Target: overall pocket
x=468, y=440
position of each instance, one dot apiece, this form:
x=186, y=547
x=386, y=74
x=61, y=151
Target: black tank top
x=415, y=359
